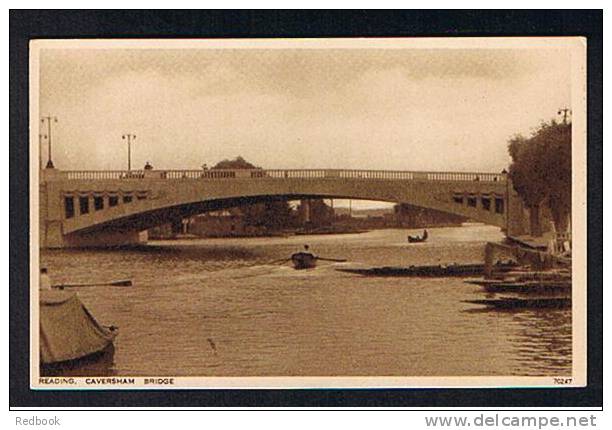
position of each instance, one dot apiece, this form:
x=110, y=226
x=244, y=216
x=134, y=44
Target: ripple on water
x=268, y=319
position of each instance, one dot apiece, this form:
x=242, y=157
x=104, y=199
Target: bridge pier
x=305, y=211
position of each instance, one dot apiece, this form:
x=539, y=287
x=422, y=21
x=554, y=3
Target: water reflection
x=544, y=339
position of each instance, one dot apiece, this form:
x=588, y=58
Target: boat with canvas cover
x=68, y=331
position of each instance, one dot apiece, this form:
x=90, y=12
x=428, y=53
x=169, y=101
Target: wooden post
x=489, y=255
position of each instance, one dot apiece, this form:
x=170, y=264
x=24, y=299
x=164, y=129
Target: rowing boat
x=522, y=303
x=506, y=286
x=429, y=271
x=303, y=260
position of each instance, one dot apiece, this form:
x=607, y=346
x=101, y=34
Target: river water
x=217, y=307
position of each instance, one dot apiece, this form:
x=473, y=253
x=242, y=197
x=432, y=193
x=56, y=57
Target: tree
x=271, y=215
x=557, y=170
x=236, y=163
x=541, y=172
x=320, y=213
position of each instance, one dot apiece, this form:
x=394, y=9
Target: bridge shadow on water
x=215, y=252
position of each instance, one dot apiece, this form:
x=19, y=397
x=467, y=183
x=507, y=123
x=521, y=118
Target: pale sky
x=401, y=109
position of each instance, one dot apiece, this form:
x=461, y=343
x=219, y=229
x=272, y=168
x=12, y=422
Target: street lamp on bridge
x=41, y=137
x=565, y=112
x=129, y=138
x=49, y=120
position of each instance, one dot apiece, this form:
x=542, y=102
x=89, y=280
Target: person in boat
x=45, y=279
x=422, y=238
x=306, y=251
x=304, y=259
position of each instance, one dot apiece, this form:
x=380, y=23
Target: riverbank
x=262, y=234
x=339, y=230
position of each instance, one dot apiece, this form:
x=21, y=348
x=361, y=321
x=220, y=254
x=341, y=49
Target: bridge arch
x=159, y=196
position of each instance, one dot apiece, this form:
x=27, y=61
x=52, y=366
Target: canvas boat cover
x=67, y=330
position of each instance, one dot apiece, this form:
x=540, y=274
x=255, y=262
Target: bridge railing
x=281, y=174
x=101, y=174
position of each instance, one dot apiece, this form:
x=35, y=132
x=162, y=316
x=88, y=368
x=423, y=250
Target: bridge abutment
x=52, y=237
x=52, y=216
x=104, y=239
x=515, y=215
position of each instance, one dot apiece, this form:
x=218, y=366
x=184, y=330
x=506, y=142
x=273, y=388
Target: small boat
x=529, y=287
x=69, y=334
x=307, y=260
x=418, y=239
x=522, y=303
x=529, y=275
x=429, y=271
x=492, y=286
x=304, y=260
x=509, y=283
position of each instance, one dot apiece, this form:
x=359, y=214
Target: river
x=217, y=307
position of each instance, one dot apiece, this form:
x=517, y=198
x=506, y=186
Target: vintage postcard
x=302, y=213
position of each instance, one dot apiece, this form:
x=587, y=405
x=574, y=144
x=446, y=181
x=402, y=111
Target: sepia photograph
x=308, y=213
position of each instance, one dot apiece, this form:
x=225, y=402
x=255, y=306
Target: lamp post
x=129, y=138
x=565, y=112
x=49, y=120
x=40, y=139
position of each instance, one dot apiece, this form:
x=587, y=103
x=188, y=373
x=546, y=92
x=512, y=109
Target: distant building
x=416, y=217
x=217, y=224
x=169, y=230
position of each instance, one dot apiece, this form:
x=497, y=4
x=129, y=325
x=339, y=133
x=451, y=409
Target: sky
x=394, y=109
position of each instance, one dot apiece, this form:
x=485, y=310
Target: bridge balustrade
x=102, y=174
x=214, y=174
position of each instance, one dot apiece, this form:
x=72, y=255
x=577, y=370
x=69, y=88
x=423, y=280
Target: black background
x=26, y=25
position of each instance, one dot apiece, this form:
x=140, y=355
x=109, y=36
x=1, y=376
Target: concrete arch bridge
x=105, y=208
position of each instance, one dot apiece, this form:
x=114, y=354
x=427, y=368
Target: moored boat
x=526, y=287
x=429, y=271
x=69, y=333
x=524, y=303
x=529, y=288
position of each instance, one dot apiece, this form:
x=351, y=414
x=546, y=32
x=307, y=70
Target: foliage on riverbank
x=541, y=171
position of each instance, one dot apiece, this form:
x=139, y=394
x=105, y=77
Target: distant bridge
x=102, y=208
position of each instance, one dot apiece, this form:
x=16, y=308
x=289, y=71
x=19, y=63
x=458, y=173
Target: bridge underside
x=121, y=231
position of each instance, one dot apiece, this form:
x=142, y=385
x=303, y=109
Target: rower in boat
x=304, y=259
x=417, y=239
x=307, y=260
